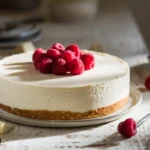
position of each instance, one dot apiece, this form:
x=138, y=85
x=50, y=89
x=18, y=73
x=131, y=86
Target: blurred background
x=102, y=24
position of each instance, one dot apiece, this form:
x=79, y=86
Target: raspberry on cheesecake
x=70, y=60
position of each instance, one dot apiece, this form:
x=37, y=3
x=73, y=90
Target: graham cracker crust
x=66, y=115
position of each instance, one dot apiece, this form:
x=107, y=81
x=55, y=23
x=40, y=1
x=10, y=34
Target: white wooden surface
x=117, y=32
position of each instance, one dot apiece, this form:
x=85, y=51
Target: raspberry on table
x=53, y=54
x=88, y=60
x=68, y=55
x=74, y=48
x=127, y=128
x=59, y=67
x=147, y=82
x=45, y=66
x=58, y=46
x=76, y=66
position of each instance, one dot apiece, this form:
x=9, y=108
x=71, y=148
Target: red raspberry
x=76, y=66
x=38, y=60
x=45, y=66
x=59, y=67
x=37, y=52
x=68, y=55
x=127, y=128
x=147, y=82
x=53, y=54
x=120, y=128
x=58, y=46
x=74, y=48
x=88, y=60
x=81, y=53
x=38, y=56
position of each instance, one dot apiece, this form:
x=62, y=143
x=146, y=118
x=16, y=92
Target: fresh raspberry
x=74, y=48
x=45, y=66
x=127, y=128
x=147, y=82
x=68, y=55
x=59, y=67
x=76, y=66
x=120, y=128
x=37, y=53
x=38, y=60
x=58, y=46
x=88, y=60
x=81, y=53
x=53, y=54
x=38, y=56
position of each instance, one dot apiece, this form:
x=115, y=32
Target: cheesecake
x=98, y=92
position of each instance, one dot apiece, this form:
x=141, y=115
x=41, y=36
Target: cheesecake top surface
x=20, y=68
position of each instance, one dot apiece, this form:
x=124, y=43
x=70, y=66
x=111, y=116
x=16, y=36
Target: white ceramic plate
x=134, y=101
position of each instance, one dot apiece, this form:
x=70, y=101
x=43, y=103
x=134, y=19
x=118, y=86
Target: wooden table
x=117, y=32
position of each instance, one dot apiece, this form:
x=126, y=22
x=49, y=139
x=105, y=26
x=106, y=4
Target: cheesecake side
x=65, y=103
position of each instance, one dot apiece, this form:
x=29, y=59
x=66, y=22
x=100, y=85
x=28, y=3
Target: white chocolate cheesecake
x=98, y=92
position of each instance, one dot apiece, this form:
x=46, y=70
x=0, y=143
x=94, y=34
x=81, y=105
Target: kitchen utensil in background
x=5, y=127
x=13, y=32
x=21, y=5
x=73, y=10
x=11, y=38
x=11, y=24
